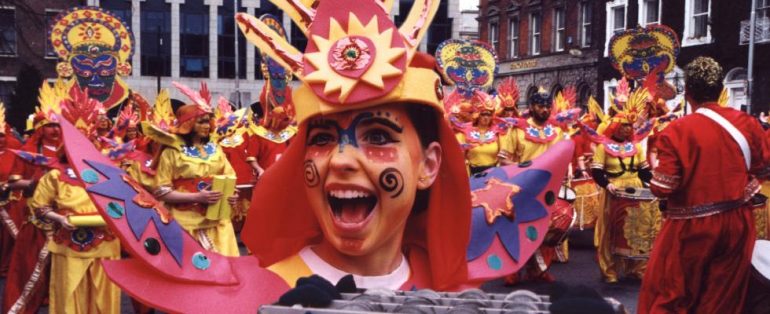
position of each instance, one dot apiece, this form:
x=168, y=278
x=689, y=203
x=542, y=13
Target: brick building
x=713, y=28
x=546, y=43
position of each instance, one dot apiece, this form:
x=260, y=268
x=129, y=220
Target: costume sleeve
x=252, y=147
x=43, y=200
x=600, y=177
x=668, y=175
x=164, y=175
x=599, y=157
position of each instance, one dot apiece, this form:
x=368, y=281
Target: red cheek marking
x=315, y=151
x=381, y=154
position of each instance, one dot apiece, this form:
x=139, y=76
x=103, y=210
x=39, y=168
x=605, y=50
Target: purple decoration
x=138, y=217
x=526, y=206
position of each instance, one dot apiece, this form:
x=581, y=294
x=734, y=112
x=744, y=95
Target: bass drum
x=562, y=220
x=567, y=193
x=588, y=203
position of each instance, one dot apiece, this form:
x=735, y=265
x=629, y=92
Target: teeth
x=348, y=194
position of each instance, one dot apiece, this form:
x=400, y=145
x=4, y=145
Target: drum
x=567, y=193
x=562, y=220
x=588, y=202
x=635, y=221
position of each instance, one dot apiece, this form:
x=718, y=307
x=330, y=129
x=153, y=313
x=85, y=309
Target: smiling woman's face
x=361, y=173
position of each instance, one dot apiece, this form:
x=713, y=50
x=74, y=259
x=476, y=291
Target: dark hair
x=188, y=139
x=703, y=79
x=425, y=120
x=540, y=99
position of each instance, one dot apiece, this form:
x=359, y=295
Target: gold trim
x=42, y=261
x=8, y=222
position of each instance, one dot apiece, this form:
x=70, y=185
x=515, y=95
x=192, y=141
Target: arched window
x=583, y=94
x=735, y=83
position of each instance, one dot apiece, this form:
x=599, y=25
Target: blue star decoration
x=116, y=188
x=526, y=207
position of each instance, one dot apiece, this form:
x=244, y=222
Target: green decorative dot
x=494, y=262
x=115, y=210
x=201, y=261
x=89, y=176
x=531, y=233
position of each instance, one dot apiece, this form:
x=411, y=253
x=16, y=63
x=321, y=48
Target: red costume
x=10, y=219
x=701, y=263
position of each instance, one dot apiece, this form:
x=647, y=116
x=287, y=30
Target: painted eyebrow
x=384, y=122
x=322, y=124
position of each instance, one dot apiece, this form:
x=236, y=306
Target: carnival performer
x=587, y=194
x=186, y=166
x=80, y=240
x=508, y=98
x=626, y=227
x=10, y=219
x=27, y=282
x=480, y=140
x=707, y=163
x=536, y=136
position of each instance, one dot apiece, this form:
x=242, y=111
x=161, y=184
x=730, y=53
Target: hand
x=61, y=220
x=207, y=197
x=258, y=172
x=612, y=189
x=233, y=199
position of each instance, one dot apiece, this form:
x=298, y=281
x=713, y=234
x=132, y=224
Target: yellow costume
x=187, y=169
x=78, y=281
x=517, y=146
x=625, y=229
x=481, y=155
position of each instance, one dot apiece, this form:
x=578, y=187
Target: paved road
x=581, y=269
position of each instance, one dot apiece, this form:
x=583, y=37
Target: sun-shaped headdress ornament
x=95, y=46
x=354, y=58
x=82, y=111
x=162, y=115
x=50, y=99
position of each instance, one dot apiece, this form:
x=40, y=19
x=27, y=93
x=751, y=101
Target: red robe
x=701, y=260
x=29, y=268
x=7, y=239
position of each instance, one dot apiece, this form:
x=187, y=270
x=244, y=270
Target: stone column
x=175, y=31
x=251, y=6
x=136, y=27
x=213, y=37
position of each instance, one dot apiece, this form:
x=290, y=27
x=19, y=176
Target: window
x=649, y=12
x=494, y=36
x=585, y=24
x=763, y=8
x=194, y=40
x=7, y=87
x=534, y=33
x=50, y=18
x=558, y=26
x=696, y=25
x=616, y=20
x=226, y=43
x=156, y=38
x=8, y=32
x=119, y=8
x=513, y=37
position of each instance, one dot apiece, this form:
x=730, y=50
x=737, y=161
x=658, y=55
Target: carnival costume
x=78, y=282
x=27, y=282
x=588, y=197
x=374, y=66
x=10, y=219
x=184, y=167
x=627, y=225
x=708, y=161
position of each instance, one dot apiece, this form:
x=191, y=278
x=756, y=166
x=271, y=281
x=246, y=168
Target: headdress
x=470, y=65
x=508, y=93
x=565, y=99
x=227, y=121
x=162, y=115
x=483, y=102
x=187, y=115
x=637, y=52
x=82, y=111
x=540, y=97
x=93, y=43
x=724, y=99
x=50, y=99
x=357, y=58
x=275, y=99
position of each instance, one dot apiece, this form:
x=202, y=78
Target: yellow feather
x=723, y=98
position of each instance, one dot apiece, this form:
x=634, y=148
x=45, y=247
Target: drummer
x=626, y=227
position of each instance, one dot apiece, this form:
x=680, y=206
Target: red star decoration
x=496, y=199
x=146, y=200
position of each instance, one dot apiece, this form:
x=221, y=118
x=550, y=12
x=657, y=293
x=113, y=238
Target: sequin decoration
x=152, y=246
x=494, y=262
x=351, y=56
x=89, y=176
x=531, y=233
x=115, y=210
x=201, y=261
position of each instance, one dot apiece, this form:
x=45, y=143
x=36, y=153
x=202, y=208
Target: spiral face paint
x=366, y=163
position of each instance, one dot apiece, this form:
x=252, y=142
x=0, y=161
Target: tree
x=24, y=99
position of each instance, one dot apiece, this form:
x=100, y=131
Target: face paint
x=391, y=180
x=366, y=164
x=95, y=73
x=311, y=174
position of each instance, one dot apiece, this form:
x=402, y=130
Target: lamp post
x=237, y=58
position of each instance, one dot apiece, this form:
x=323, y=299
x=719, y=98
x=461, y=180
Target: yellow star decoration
x=381, y=66
x=496, y=199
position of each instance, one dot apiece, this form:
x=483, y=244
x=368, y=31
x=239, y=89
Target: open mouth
x=351, y=209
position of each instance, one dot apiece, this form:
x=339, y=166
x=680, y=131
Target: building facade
x=186, y=41
x=712, y=28
x=548, y=44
